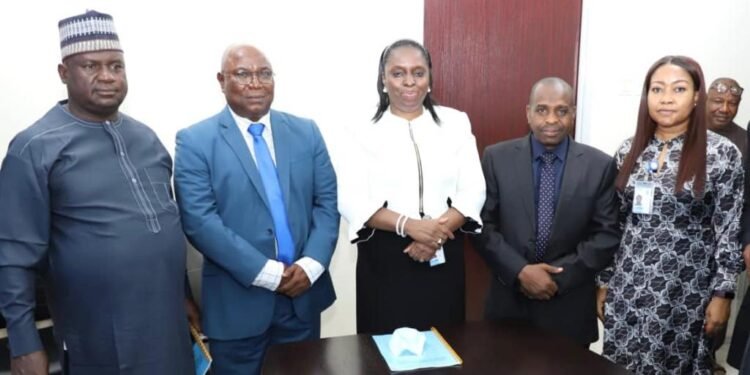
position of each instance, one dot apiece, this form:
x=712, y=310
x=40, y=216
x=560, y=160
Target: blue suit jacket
x=226, y=217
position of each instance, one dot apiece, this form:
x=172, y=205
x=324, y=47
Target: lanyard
x=653, y=165
x=421, y=178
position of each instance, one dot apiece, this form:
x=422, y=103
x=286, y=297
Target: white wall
x=621, y=39
x=325, y=56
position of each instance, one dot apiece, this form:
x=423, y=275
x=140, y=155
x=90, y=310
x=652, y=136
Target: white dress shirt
x=381, y=168
x=270, y=276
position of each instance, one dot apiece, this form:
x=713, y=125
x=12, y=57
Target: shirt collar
x=425, y=117
x=243, y=123
x=670, y=142
x=63, y=106
x=537, y=148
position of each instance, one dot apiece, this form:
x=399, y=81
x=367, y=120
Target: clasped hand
x=294, y=281
x=420, y=252
x=536, y=281
x=428, y=235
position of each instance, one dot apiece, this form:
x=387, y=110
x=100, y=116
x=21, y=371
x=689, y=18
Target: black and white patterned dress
x=670, y=262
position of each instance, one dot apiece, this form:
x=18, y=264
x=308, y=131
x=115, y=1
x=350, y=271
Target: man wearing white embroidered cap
x=87, y=205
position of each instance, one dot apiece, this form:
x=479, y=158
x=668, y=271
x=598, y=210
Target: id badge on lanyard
x=643, y=196
x=439, y=257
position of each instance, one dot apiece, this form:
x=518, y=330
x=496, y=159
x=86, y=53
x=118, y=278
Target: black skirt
x=395, y=291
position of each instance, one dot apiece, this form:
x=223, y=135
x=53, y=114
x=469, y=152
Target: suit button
x=270, y=231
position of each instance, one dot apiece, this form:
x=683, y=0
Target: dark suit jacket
x=226, y=217
x=739, y=349
x=584, y=235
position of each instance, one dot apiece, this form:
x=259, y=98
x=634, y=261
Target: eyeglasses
x=245, y=77
x=721, y=88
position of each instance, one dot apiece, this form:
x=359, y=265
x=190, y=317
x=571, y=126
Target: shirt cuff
x=270, y=276
x=24, y=337
x=358, y=229
x=472, y=221
x=312, y=268
x=723, y=294
x=471, y=226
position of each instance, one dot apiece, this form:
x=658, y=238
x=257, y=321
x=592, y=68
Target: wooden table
x=508, y=347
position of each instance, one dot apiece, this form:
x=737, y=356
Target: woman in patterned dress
x=670, y=285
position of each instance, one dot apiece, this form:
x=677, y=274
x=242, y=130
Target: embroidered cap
x=91, y=31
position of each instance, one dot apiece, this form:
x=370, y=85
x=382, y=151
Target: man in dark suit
x=550, y=220
x=257, y=194
x=739, y=350
x=722, y=104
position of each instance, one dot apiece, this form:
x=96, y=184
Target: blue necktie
x=545, y=209
x=271, y=184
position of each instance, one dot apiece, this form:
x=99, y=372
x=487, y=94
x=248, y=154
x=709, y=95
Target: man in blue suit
x=257, y=193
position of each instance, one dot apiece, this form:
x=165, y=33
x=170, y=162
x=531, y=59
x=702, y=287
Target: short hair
x=233, y=47
x=552, y=81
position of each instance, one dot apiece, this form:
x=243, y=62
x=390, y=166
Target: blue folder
x=201, y=356
x=202, y=362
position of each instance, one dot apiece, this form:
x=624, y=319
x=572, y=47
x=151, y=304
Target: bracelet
x=398, y=224
x=403, y=226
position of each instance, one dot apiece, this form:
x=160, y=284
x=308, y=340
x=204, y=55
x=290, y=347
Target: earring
x=429, y=89
x=385, y=90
